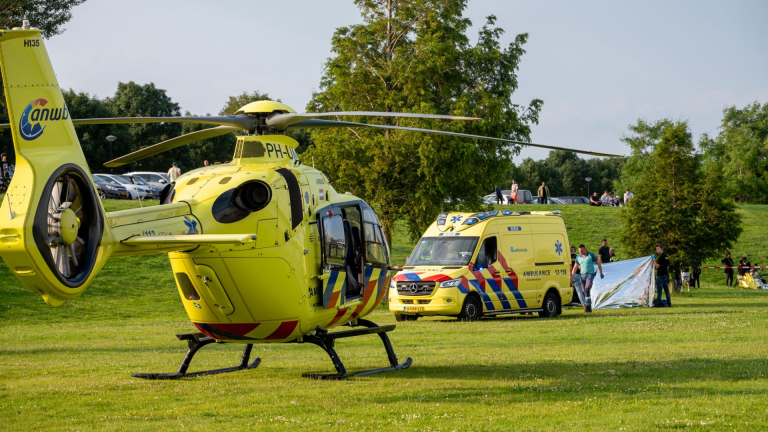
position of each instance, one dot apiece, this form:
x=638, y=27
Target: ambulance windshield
x=443, y=251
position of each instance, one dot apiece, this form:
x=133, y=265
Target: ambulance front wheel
x=472, y=310
x=401, y=317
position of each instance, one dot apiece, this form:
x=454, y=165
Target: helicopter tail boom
x=55, y=238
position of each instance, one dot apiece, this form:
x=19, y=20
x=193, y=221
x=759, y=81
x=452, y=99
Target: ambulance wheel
x=401, y=317
x=551, y=308
x=471, y=310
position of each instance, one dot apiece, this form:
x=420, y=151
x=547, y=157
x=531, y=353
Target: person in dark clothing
x=578, y=290
x=499, y=196
x=604, y=252
x=695, y=273
x=662, y=274
x=594, y=200
x=728, y=262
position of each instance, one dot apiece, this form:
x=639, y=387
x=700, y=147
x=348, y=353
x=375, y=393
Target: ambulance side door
x=517, y=249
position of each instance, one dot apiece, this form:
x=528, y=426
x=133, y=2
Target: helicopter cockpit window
x=335, y=244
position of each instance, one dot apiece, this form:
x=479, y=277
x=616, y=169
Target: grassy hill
x=699, y=366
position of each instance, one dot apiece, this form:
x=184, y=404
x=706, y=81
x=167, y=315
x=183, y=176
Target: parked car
x=138, y=180
x=523, y=197
x=134, y=191
x=110, y=188
x=157, y=180
x=573, y=200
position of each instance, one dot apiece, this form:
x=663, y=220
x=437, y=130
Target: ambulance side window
x=488, y=252
x=334, y=241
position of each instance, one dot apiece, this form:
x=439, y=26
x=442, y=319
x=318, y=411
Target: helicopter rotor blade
x=282, y=121
x=171, y=144
x=334, y=124
x=240, y=121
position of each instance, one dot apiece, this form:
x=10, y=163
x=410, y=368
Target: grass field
x=701, y=365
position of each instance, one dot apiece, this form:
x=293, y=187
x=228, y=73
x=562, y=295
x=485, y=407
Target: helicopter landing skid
x=326, y=341
x=195, y=342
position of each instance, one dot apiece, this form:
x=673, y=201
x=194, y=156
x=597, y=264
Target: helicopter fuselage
x=319, y=258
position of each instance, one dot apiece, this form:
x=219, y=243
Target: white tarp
x=627, y=284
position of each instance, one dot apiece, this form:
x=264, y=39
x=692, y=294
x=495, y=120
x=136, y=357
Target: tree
x=234, y=103
x=134, y=100
x=677, y=202
x=741, y=152
x=93, y=137
x=216, y=149
x=47, y=15
x=414, y=56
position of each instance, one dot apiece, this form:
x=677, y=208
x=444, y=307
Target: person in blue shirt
x=586, y=262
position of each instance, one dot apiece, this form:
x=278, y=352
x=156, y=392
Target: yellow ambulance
x=471, y=265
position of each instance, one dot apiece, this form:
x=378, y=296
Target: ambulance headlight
x=450, y=283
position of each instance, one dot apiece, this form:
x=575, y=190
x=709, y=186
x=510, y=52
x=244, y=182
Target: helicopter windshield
x=443, y=251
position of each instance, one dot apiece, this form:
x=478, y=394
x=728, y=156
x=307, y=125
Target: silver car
x=134, y=191
x=157, y=180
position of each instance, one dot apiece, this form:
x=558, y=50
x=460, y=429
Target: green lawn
x=701, y=365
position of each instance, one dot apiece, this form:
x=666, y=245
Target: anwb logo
x=32, y=125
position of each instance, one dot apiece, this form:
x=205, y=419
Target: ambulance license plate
x=414, y=309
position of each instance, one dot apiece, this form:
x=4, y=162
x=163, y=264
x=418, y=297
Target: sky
x=598, y=66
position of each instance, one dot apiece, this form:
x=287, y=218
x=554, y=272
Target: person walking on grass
x=661, y=262
x=585, y=263
x=728, y=263
x=543, y=193
x=578, y=289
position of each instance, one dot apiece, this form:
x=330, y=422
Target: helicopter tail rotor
x=54, y=237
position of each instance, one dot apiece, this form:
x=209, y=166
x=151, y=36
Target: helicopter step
x=195, y=342
x=326, y=341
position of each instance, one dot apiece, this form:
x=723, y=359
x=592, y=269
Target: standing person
x=174, y=172
x=661, y=262
x=685, y=276
x=499, y=196
x=695, y=273
x=543, y=193
x=585, y=263
x=604, y=252
x=578, y=289
x=513, y=193
x=628, y=197
x=728, y=263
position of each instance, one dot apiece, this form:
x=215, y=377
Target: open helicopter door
x=334, y=254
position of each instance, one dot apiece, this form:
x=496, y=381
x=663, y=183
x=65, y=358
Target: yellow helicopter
x=263, y=249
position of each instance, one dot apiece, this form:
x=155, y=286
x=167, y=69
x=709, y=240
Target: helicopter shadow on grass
x=569, y=381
